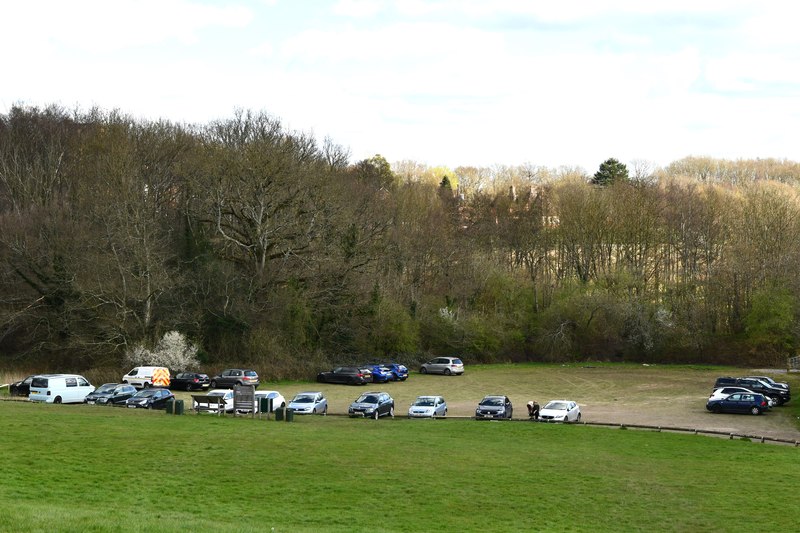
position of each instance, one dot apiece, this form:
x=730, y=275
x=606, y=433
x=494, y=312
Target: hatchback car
x=443, y=365
x=494, y=407
x=309, y=403
x=149, y=399
x=724, y=392
x=231, y=377
x=372, y=405
x=560, y=411
x=278, y=401
x=190, y=381
x=348, y=375
x=110, y=394
x=739, y=402
x=380, y=373
x=399, y=372
x=428, y=407
x=226, y=394
x=21, y=387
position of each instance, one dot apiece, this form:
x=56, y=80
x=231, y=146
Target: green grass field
x=84, y=468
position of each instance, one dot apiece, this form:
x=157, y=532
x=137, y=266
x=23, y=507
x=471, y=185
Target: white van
x=59, y=388
x=147, y=376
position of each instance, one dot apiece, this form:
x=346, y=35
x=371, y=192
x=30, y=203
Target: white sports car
x=560, y=411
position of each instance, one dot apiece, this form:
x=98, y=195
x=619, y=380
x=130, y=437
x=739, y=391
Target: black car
x=189, y=381
x=150, y=399
x=494, y=407
x=348, y=375
x=762, y=387
x=739, y=402
x=21, y=388
x=372, y=405
x=110, y=394
x=231, y=377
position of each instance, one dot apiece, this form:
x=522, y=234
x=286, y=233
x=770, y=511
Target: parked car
x=190, y=381
x=399, y=372
x=443, y=365
x=59, y=388
x=560, y=411
x=739, y=402
x=348, y=375
x=372, y=405
x=724, y=392
x=380, y=373
x=143, y=377
x=235, y=376
x=226, y=394
x=156, y=398
x=770, y=381
x=278, y=401
x=759, y=386
x=110, y=394
x=762, y=387
x=309, y=403
x=428, y=407
x=494, y=407
x=21, y=387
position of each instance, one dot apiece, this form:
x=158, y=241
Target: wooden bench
x=203, y=403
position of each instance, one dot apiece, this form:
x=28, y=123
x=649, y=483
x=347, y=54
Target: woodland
x=269, y=248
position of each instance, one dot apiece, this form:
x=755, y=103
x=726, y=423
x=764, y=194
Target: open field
x=88, y=468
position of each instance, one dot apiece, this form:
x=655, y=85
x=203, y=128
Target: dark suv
x=231, y=377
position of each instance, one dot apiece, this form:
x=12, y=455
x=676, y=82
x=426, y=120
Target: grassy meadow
x=89, y=468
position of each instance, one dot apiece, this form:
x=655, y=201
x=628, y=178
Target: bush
x=172, y=351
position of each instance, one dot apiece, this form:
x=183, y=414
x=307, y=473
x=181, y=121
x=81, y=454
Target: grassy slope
x=81, y=468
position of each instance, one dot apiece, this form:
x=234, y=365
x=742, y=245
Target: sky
x=439, y=82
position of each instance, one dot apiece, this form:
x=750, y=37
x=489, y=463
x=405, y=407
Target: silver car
x=428, y=407
x=443, y=365
x=309, y=403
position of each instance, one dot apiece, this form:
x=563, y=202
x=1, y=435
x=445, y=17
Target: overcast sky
x=441, y=82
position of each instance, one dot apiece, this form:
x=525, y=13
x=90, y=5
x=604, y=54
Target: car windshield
x=424, y=402
x=367, y=398
x=146, y=393
x=108, y=387
x=492, y=400
x=219, y=393
x=303, y=399
x=556, y=406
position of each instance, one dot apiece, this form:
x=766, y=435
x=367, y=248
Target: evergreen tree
x=610, y=171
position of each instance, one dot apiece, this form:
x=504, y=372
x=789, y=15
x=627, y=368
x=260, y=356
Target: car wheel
x=57, y=399
x=755, y=410
x=213, y=384
x=146, y=385
x=445, y=412
x=447, y=372
x=423, y=370
x=375, y=415
x=579, y=418
x=325, y=411
x=716, y=409
x=391, y=411
x=188, y=387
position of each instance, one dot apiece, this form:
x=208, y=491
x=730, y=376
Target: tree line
x=267, y=247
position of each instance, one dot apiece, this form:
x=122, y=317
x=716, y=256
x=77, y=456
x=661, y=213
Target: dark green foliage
x=261, y=245
x=610, y=171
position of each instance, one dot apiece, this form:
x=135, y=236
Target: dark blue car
x=739, y=402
